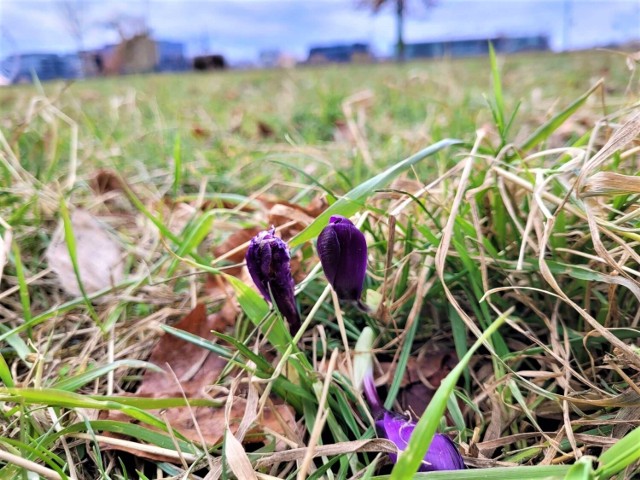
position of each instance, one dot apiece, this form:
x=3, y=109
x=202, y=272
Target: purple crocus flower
x=269, y=265
x=442, y=453
x=342, y=249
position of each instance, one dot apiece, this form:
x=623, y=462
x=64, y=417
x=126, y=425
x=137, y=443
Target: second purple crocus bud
x=442, y=453
x=342, y=249
x=269, y=265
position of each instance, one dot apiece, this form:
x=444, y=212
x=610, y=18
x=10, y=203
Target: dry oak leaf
x=99, y=256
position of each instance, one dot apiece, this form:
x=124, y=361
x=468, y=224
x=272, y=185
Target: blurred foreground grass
x=490, y=228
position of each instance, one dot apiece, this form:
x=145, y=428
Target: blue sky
x=240, y=29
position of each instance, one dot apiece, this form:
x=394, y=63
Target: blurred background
x=51, y=39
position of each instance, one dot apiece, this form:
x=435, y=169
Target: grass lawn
x=497, y=198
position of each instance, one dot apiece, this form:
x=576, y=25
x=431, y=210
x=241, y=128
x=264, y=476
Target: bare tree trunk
x=400, y=30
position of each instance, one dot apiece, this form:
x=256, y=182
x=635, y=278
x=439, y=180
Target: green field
x=520, y=222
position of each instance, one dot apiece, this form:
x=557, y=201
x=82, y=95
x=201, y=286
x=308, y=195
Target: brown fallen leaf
x=265, y=130
x=294, y=217
x=196, y=369
x=235, y=248
x=211, y=423
x=496, y=425
x=105, y=181
x=317, y=205
x=99, y=257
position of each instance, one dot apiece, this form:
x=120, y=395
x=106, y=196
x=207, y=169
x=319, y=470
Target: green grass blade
x=61, y=398
x=73, y=383
x=50, y=396
x=546, y=472
x=509, y=124
x=497, y=91
x=459, y=332
x=146, y=403
x=409, y=461
x=261, y=363
x=619, y=456
x=177, y=166
x=257, y=309
x=22, y=283
x=193, y=237
x=353, y=200
x=5, y=373
x=282, y=386
x=313, y=180
x=545, y=130
x=34, y=451
x=14, y=340
x=70, y=239
x=581, y=470
x=253, y=305
x=135, y=431
x=155, y=220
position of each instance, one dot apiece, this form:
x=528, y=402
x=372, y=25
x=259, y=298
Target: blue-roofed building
x=475, y=47
x=357, y=52
x=171, y=57
x=22, y=68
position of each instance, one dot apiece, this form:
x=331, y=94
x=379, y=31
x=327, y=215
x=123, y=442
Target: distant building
x=521, y=44
x=475, y=47
x=139, y=54
x=23, y=68
x=171, y=57
x=357, y=52
x=72, y=65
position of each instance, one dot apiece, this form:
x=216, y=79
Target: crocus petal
x=342, y=249
x=269, y=265
x=442, y=453
x=329, y=253
x=396, y=428
x=258, y=259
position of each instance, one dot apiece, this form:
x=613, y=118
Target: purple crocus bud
x=342, y=249
x=269, y=265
